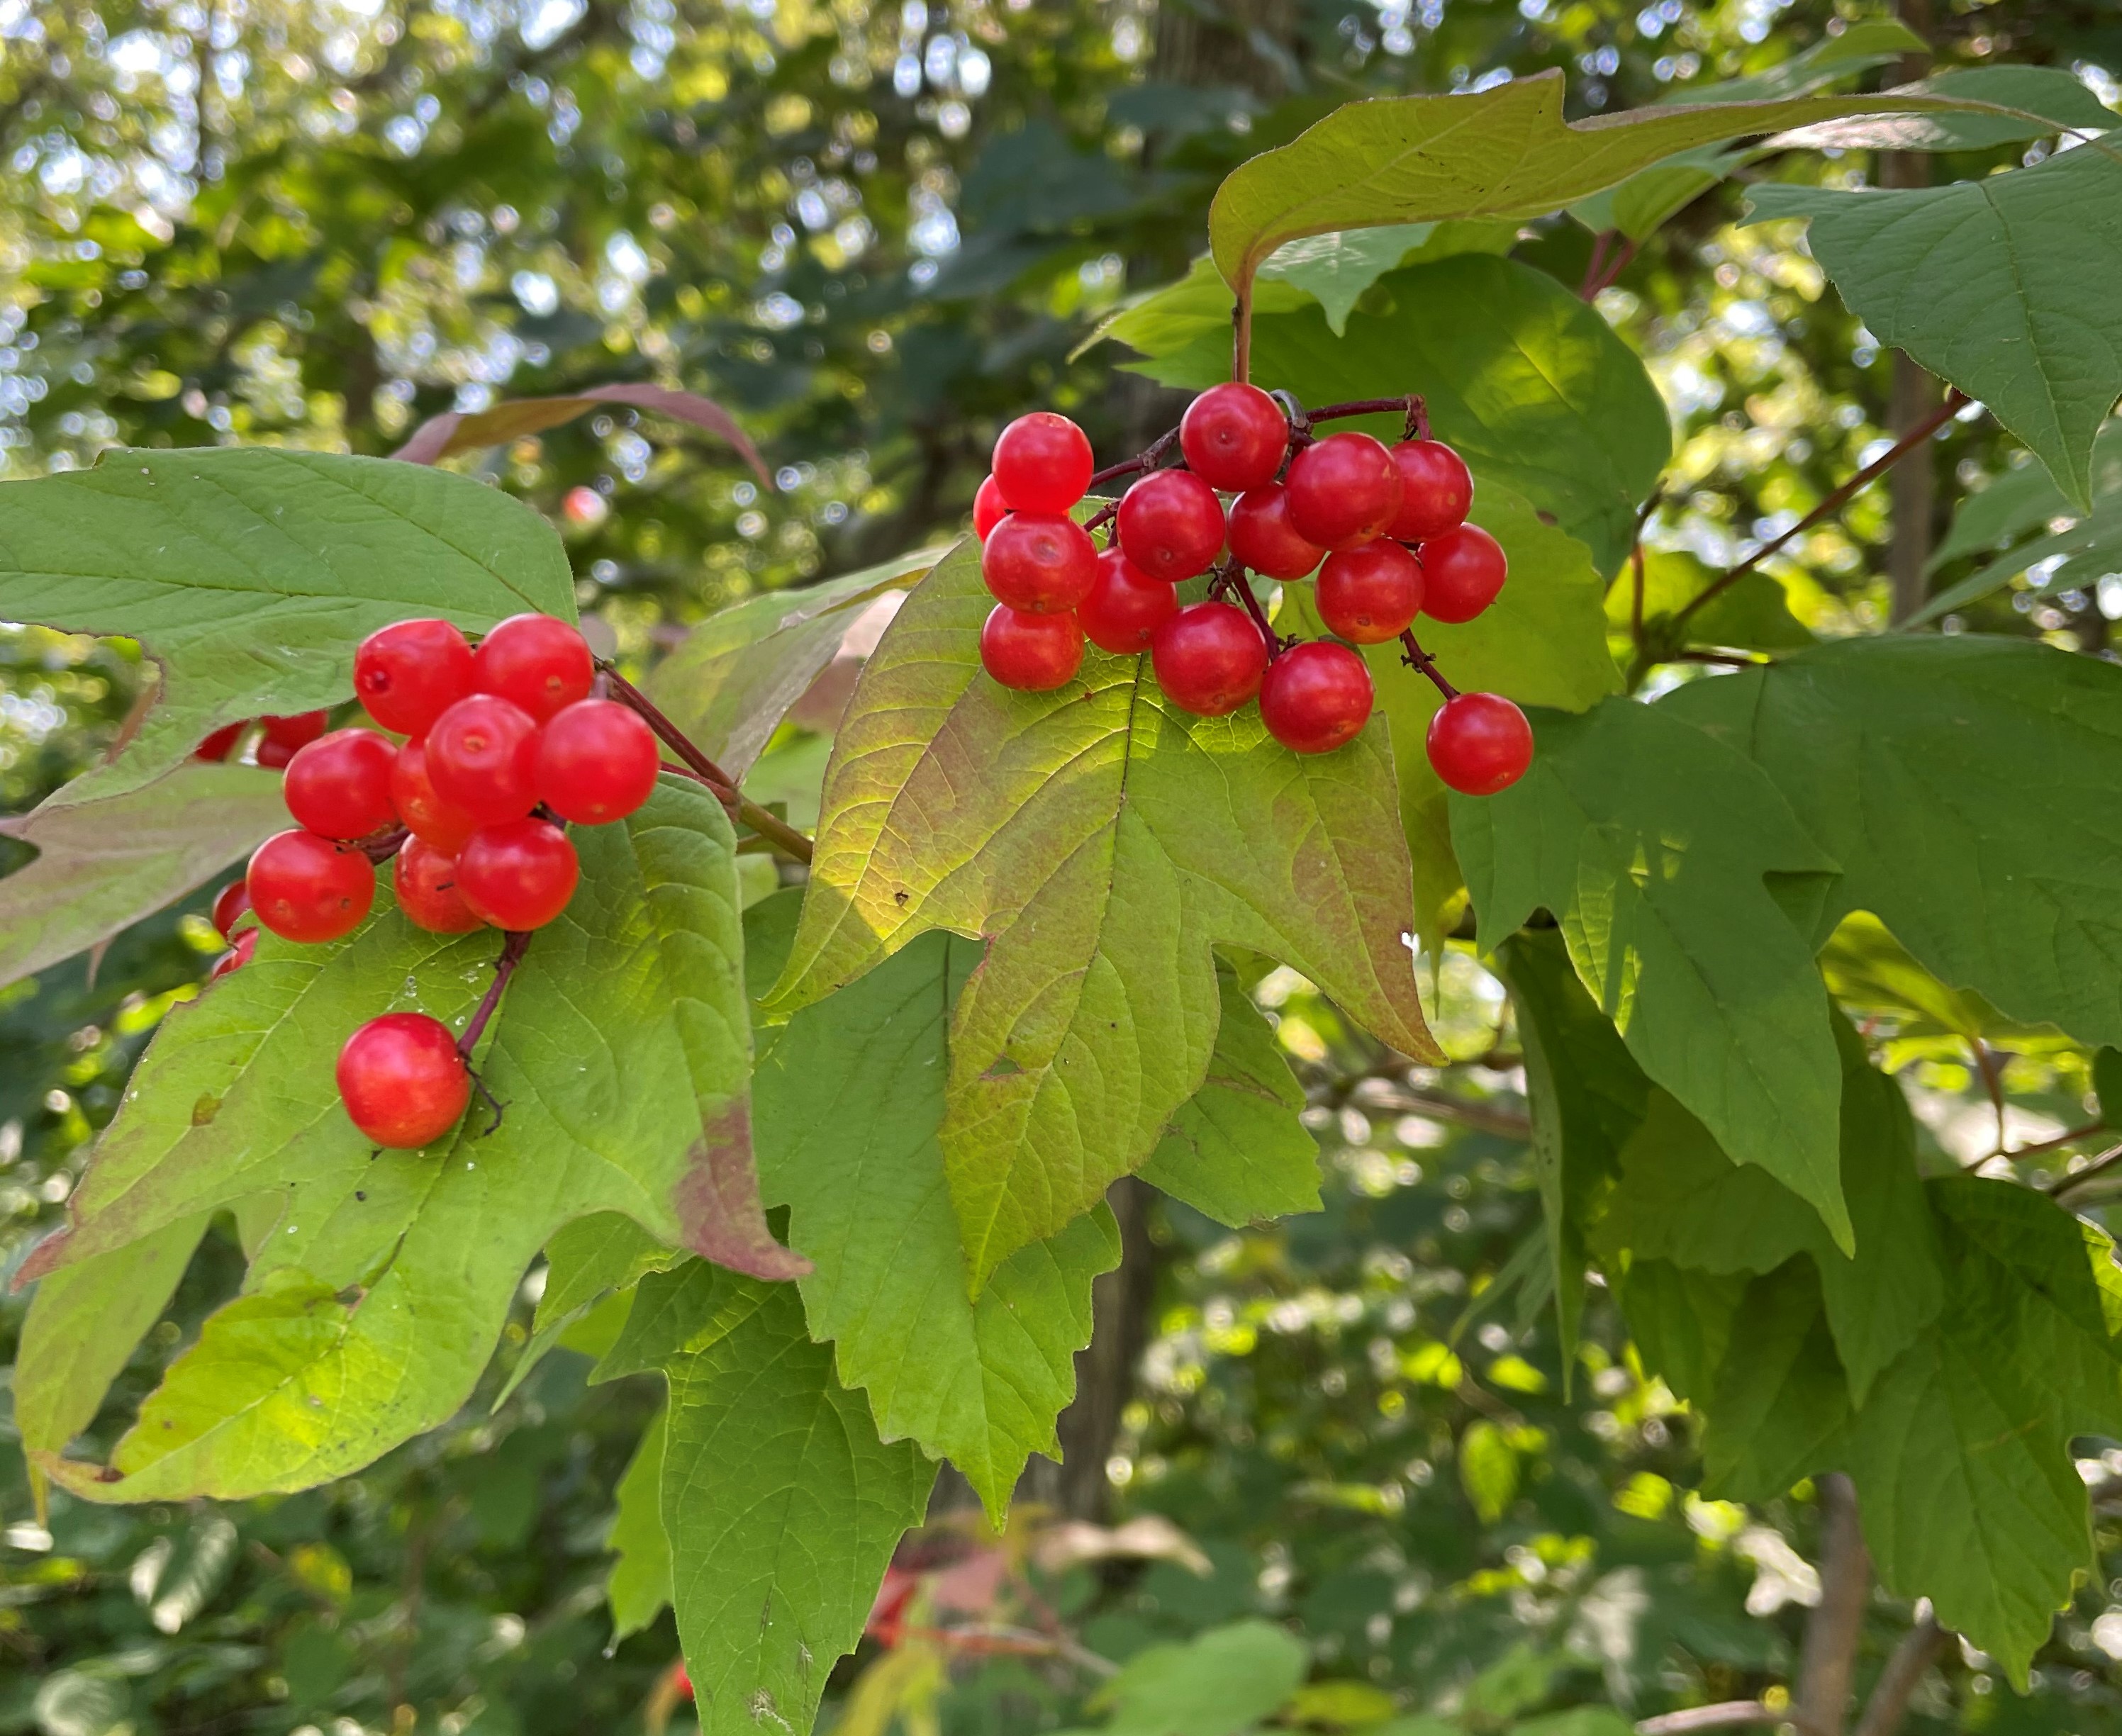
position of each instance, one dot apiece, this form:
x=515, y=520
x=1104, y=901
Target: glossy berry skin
x=340, y=784
x=403, y=1081
x=1042, y=464
x=1172, y=525
x=519, y=875
x=1125, y=607
x=596, y=763
x=1263, y=538
x=230, y=906
x=1042, y=562
x=1343, y=490
x=290, y=733
x=1235, y=436
x=1210, y=658
x=413, y=795
x=238, y=955
x=534, y=662
x=1462, y=571
x=989, y=509
x=216, y=747
x=1316, y=697
x=1436, y=489
x=482, y=758
x=425, y=880
x=1372, y=594
x=407, y=674
x=274, y=755
x=1480, y=743
x=307, y=887
x=1034, y=654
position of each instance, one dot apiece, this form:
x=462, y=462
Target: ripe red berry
x=519, y=875
x=1263, y=538
x=1034, y=654
x=1436, y=489
x=1316, y=696
x=230, y=904
x=407, y=674
x=1343, y=490
x=1042, y=562
x=1462, y=571
x=989, y=509
x=403, y=1081
x=238, y=955
x=1480, y=743
x=307, y=887
x=340, y=784
x=596, y=763
x=290, y=733
x=482, y=758
x=1372, y=594
x=1172, y=524
x=1210, y=658
x=413, y=794
x=425, y=880
x=1042, y=464
x=1125, y=606
x=535, y=662
x=215, y=748
x=1234, y=436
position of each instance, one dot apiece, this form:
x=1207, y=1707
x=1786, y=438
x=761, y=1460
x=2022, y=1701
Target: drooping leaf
x=1753, y=614
x=2017, y=500
x=1103, y=842
x=1218, y=1683
x=1779, y=1407
x=1682, y=1321
x=640, y=1582
x=467, y=430
x=2046, y=100
x=1335, y=269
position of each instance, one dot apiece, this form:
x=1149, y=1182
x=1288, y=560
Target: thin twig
x=1898, y=1682
x=1243, y=586
x=1416, y=658
x=1595, y=265
x=2071, y=1138
x=515, y=942
x=1725, y=1714
x=2100, y=1165
x=1504, y=1123
x=1021, y=1642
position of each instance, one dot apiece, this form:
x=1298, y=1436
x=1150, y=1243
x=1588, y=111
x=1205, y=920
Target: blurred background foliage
x=875, y=233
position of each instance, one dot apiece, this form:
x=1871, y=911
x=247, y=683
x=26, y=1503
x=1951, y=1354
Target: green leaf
x=1779, y=1410
x=1103, y=842
x=467, y=430
x=250, y=574
x=1869, y=974
x=103, y=865
x=585, y=1263
x=1220, y=1682
x=1682, y=1321
x=2017, y=500
x=1335, y=269
x=1192, y=313
x=1865, y=44
x=640, y=1582
x=1753, y=614
x=2049, y=99
x=1654, y=845
x=1488, y=1470
x=1999, y=285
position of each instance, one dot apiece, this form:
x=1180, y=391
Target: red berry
x=1210, y=658
x=1125, y=606
x=238, y=955
x=1372, y=594
x=1462, y=571
x=407, y=674
x=425, y=880
x=1234, y=436
x=230, y=904
x=290, y=733
x=1172, y=524
x=1480, y=743
x=1034, y=654
x=534, y=662
x=307, y=887
x=519, y=875
x=1262, y=538
x=215, y=748
x=1436, y=489
x=596, y=763
x=482, y=758
x=1316, y=697
x=1042, y=464
x=340, y=784
x=1042, y=562
x=413, y=794
x=1343, y=490
x=989, y=509
x=403, y=1081
x=274, y=755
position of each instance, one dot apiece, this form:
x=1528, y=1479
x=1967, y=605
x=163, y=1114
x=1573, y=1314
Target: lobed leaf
x=640, y=1582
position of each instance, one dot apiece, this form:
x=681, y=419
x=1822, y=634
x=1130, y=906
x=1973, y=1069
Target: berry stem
x=1416, y=658
x=1148, y=459
x=1243, y=586
x=515, y=943
x=380, y=846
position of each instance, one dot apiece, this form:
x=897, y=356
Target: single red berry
x=1263, y=538
x=1343, y=490
x=1042, y=562
x=1125, y=606
x=1034, y=654
x=989, y=508
x=681, y=1683
x=1436, y=489
x=1480, y=743
x=407, y=674
x=1042, y=464
x=519, y=875
x=215, y=748
x=1210, y=658
x=413, y=794
x=403, y=1081
x=1234, y=436
x=290, y=733
x=1172, y=524
x=425, y=880
x=340, y=784
x=1316, y=696
x=535, y=662
x=238, y=955
x=1462, y=571
x=307, y=887
x=596, y=763
x=274, y=755
x=230, y=905
x=1372, y=594
x=482, y=758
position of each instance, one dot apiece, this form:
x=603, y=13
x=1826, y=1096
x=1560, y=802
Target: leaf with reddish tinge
x=467, y=430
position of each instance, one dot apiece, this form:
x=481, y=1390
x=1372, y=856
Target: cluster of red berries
x=1384, y=527
x=504, y=745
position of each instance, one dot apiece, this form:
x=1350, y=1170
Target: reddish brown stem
x=1603, y=271
x=514, y=944
x=1243, y=586
x=380, y=846
x=1416, y=658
